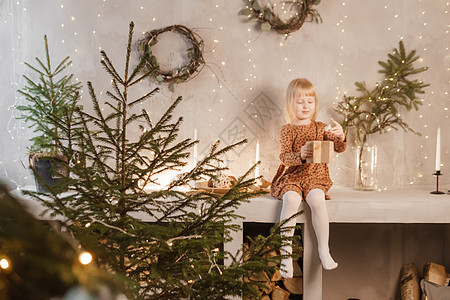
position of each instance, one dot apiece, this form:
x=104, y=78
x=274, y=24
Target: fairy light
x=340, y=68
x=85, y=258
x=4, y=264
x=252, y=73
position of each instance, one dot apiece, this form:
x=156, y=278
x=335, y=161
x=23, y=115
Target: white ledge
x=407, y=205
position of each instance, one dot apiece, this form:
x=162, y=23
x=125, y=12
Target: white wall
x=249, y=66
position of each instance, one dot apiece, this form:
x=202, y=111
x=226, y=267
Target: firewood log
x=272, y=253
x=298, y=250
x=434, y=273
x=276, y=276
x=280, y=294
x=268, y=287
x=409, y=282
x=294, y=285
x=265, y=297
x=261, y=276
x=297, y=270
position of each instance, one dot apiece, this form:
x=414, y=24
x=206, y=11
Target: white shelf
x=407, y=205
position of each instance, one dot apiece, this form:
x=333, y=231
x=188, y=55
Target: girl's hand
x=306, y=151
x=337, y=130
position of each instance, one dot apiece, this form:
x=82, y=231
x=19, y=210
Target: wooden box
x=323, y=152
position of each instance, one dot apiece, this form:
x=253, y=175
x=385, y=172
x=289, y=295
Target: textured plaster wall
x=240, y=92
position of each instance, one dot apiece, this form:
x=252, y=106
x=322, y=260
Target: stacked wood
x=435, y=273
x=274, y=286
x=409, y=282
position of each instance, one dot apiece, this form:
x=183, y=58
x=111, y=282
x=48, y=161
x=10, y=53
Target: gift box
x=323, y=152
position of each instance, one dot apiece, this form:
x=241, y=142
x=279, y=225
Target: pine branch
x=109, y=67
x=143, y=98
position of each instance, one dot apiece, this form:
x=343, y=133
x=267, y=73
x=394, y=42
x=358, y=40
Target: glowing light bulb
x=85, y=258
x=4, y=263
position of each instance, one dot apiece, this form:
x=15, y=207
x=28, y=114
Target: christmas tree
x=167, y=242
x=39, y=262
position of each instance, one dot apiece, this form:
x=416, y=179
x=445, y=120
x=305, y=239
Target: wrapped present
x=323, y=152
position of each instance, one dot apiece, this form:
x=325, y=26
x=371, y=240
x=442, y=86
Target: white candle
x=257, y=159
x=194, y=156
x=438, y=150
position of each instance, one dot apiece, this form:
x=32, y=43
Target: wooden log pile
x=275, y=287
x=410, y=279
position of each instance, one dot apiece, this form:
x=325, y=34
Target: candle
x=438, y=150
x=194, y=156
x=257, y=159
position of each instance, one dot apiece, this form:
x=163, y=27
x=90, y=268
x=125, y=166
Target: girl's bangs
x=305, y=92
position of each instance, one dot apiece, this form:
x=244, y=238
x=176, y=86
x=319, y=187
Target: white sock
x=291, y=203
x=321, y=224
x=328, y=262
x=286, y=268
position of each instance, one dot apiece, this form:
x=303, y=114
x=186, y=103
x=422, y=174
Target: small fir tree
x=51, y=103
x=166, y=241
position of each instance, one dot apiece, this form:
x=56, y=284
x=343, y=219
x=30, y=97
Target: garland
x=303, y=12
x=183, y=73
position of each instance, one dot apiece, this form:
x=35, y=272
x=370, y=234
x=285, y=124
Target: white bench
x=408, y=205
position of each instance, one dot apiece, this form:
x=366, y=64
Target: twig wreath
x=302, y=12
x=181, y=74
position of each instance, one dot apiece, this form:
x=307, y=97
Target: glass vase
x=366, y=168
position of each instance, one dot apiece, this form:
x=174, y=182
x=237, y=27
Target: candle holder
x=437, y=191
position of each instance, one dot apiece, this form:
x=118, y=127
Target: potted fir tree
x=52, y=99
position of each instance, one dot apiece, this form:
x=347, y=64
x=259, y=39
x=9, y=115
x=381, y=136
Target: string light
x=4, y=264
x=397, y=25
x=85, y=258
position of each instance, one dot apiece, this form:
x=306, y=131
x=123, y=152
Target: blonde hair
x=298, y=87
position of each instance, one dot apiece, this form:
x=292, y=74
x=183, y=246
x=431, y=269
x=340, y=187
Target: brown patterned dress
x=293, y=174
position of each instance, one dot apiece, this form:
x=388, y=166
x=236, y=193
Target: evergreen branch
x=116, y=88
x=111, y=226
x=127, y=59
x=109, y=67
x=66, y=62
x=171, y=240
x=98, y=111
x=36, y=70
x=111, y=95
x=371, y=111
x=137, y=70
x=143, y=98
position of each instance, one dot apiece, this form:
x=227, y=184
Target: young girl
x=295, y=179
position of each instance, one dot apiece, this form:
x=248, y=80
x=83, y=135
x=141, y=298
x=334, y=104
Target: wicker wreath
x=303, y=12
x=181, y=74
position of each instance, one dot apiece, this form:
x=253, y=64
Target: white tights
x=320, y=222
